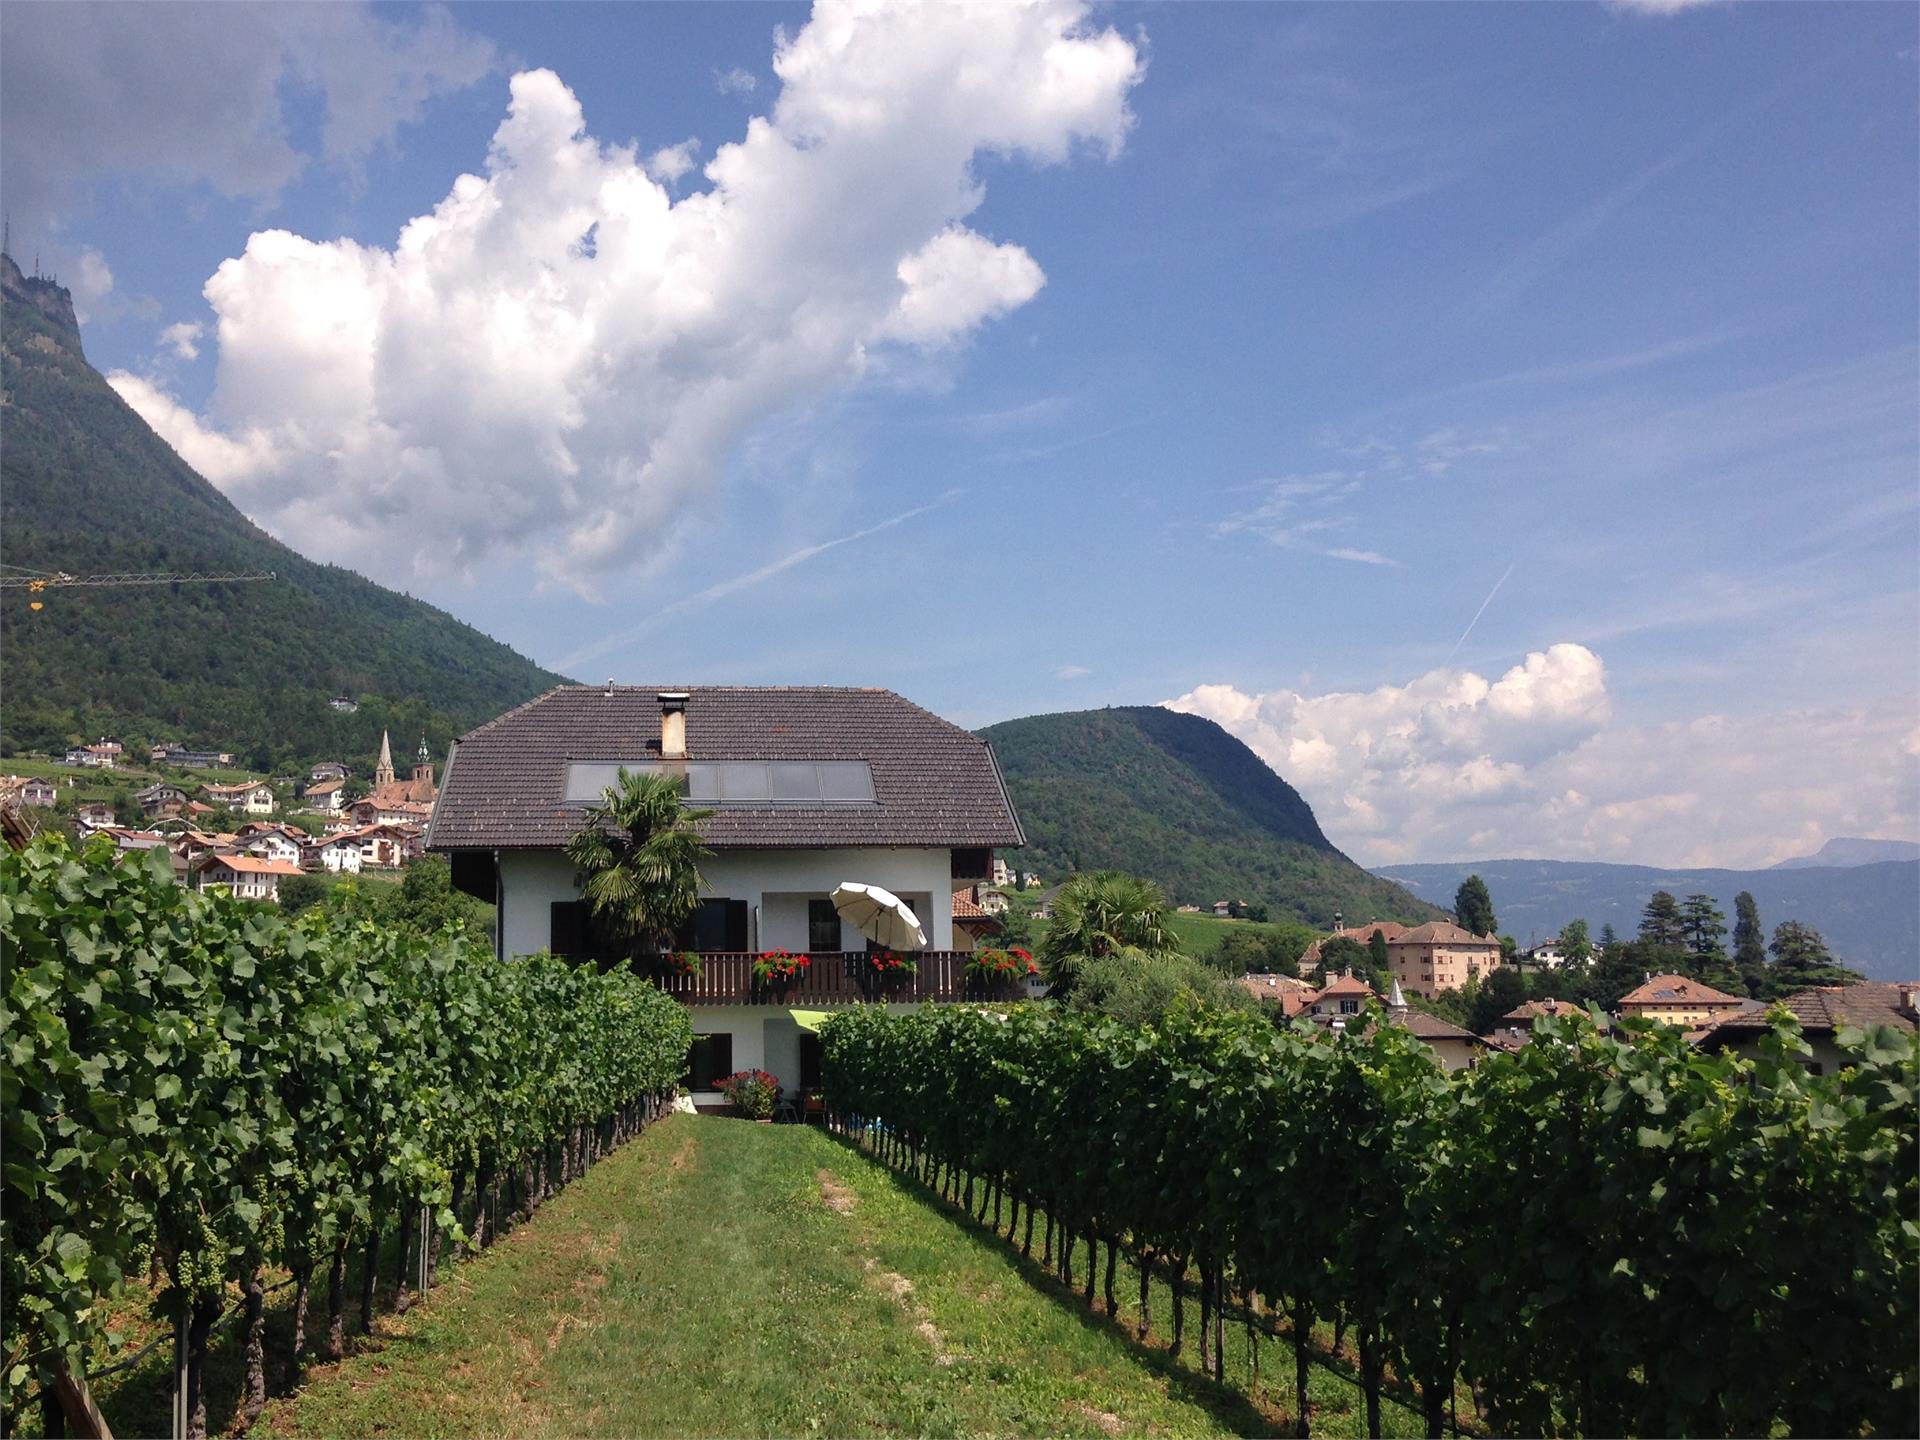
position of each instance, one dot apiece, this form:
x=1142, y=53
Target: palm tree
x=1105, y=913
x=639, y=859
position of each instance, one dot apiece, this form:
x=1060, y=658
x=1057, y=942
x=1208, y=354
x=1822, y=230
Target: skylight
x=735, y=784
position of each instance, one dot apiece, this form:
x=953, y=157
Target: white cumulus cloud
x=670, y=162
x=559, y=357
x=1453, y=766
x=183, y=339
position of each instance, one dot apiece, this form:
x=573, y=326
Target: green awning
x=809, y=1019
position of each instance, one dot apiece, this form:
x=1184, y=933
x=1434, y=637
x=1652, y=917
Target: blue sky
x=1265, y=350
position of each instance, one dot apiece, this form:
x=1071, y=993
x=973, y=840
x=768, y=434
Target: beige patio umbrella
x=880, y=915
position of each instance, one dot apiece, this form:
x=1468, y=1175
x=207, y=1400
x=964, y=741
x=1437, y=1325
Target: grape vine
x=1599, y=1235
x=195, y=1083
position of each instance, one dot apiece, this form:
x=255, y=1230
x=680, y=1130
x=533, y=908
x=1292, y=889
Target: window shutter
x=736, y=926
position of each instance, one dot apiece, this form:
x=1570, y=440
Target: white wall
x=765, y=1037
x=776, y=885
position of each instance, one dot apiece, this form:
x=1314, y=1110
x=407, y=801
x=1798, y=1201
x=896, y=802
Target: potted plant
x=753, y=1093
x=995, y=972
x=680, y=962
x=884, y=970
x=777, y=969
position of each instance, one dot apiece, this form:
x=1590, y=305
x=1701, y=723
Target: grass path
x=719, y=1278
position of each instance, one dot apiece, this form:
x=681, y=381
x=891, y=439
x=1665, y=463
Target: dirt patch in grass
x=837, y=1197
x=1105, y=1419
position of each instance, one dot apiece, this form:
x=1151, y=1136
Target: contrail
x=742, y=582
x=1478, y=613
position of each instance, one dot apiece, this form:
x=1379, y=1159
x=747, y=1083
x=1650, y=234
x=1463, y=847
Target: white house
x=274, y=845
x=250, y=797
x=324, y=795
x=809, y=787
x=340, y=854
x=249, y=877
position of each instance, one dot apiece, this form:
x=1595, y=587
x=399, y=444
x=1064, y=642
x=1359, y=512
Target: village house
x=1344, y=1001
x=101, y=755
x=1000, y=874
x=22, y=790
x=325, y=795
x=1545, y=956
x=1677, y=1000
x=345, y=704
x=339, y=854
x=249, y=877
x=1823, y=1012
x=94, y=815
x=1289, y=994
x=810, y=788
x=1516, y=1026
x=328, y=770
x=271, y=843
x=249, y=797
x=174, y=753
x=1425, y=959
x=160, y=799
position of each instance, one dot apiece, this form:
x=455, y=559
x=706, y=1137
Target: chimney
x=1909, y=999
x=673, y=724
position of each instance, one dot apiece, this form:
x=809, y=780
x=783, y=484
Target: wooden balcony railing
x=726, y=978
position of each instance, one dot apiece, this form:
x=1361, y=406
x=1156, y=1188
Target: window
x=823, y=927
x=719, y=924
x=709, y=1061
x=1349, y=1007
x=567, y=927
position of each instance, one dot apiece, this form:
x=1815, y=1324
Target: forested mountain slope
x=87, y=487
x=1176, y=798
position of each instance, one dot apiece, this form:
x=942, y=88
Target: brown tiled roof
x=1668, y=990
x=1348, y=984
x=1442, y=932
x=1826, y=1008
x=1431, y=1027
x=964, y=908
x=934, y=784
x=1291, y=995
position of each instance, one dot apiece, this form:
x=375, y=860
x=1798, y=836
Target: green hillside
x=86, y=487
x=1176, y=798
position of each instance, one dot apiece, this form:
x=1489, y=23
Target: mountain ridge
x=1847, y=850
x=1177, y=799
x=90, y=488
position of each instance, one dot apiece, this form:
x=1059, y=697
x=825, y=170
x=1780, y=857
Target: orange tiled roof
x=1669, y=990
x=250, y=865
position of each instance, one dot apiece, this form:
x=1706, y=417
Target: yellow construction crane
x=35, y=582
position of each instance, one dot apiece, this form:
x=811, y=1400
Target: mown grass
x=720, y=1278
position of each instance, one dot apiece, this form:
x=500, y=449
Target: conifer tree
x=1473, y=907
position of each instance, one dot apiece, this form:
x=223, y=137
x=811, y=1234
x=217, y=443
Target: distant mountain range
x=86, y=487
x=1843, y=851
x=1869, y=913
x=1176, y=798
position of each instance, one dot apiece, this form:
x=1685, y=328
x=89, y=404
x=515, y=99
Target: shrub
x=752, y=1092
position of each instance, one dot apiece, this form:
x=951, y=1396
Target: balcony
x=726, y=978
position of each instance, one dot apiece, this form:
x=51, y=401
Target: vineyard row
x=197, y=1088
x=1598, y=1235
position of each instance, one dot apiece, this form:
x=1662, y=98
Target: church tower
x=423, y=765
x=383, y=772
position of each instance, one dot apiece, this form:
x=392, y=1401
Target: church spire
x=383, y=772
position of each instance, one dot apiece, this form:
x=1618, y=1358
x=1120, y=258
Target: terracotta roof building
x=1290, y=994
x=1677, y=1000
x=1823, y=1012
x=1425, y=959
